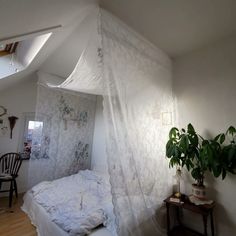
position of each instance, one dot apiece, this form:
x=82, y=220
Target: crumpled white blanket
x=77, y=203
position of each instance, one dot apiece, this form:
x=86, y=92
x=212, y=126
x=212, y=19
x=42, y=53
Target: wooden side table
x=204, y=210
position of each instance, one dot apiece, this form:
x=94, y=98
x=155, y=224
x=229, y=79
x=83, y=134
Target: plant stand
x=204, y=210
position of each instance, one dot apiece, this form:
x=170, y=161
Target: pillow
x=86, y=224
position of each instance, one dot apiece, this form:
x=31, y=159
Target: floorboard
x=14, y=222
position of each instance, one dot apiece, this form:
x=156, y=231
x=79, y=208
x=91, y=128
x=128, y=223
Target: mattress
x=44, y=226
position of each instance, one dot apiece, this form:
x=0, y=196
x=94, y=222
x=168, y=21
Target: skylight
x=17, y=56
x=6, y=49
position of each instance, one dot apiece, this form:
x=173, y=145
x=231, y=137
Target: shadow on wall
x=221, y=214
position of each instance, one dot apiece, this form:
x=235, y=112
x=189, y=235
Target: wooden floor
x=14, y=222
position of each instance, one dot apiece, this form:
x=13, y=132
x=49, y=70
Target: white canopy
x=134, y=78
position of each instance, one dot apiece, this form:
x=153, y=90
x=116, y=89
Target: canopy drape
x=134, y=78
x=62, y=143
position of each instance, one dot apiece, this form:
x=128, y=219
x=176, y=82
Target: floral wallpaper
x=64, y=147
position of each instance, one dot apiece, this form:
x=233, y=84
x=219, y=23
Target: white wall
x=18, y=99
x=205, y=83
x=99, y=158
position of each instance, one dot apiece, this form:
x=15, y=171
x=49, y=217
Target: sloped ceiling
x=24, y=16
x=177, y=26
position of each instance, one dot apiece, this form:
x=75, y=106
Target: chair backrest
x=10, y=163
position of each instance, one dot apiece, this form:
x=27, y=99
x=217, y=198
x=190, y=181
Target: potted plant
x=188, y=149
x=226, y=159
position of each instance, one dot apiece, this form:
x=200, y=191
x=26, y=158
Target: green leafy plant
x=188, y=149
x=226, y=158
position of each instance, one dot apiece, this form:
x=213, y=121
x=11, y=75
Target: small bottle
x=177, y=178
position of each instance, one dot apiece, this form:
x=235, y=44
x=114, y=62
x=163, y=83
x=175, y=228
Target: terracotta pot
x=199, y=191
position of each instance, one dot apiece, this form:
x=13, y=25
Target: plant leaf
x=231, y=130
x=191, y=129
x=173, y=132
x=217, y=137
x=184, y=143
x=223, y=174
x=222, y=138
x=216, y=171
x=194, y=140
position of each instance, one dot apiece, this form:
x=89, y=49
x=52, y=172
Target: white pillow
x=88, y=223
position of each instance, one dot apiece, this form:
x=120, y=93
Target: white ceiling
x=177, y=26
x=24, y=16
x=17, y=17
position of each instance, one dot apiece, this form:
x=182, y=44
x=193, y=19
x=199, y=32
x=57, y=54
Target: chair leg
x=15, y=188
x=10, y=194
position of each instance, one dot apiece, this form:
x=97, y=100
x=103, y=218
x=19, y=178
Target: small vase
x=177, y=191
x=199, y=191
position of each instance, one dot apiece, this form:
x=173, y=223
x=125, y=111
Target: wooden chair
x=10, y=164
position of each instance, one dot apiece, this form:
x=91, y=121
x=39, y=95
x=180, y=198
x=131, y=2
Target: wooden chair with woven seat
x=10, y=164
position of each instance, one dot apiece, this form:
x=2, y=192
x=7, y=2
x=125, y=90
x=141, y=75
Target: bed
x=53, y=206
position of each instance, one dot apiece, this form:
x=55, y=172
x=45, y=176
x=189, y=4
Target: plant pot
x=199, y=191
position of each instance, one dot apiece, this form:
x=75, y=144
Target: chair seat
x=6, y=178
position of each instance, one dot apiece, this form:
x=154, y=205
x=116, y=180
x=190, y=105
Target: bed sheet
x=44, y=226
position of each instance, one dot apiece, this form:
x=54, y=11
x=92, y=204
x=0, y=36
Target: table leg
x=178, y=216
x=205, y=224
x=168, y=218
x=212, y=224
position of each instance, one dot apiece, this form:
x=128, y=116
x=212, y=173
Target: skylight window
x=6, y=49
x=17, y=52
x=17, y=56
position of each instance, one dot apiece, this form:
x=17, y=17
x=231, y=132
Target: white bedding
x=44, y=226
x=77, y=203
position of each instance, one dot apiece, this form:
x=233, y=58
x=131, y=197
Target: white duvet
x=77, y=203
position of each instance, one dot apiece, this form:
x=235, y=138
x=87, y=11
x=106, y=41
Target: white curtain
x=134, y=78
x=62, y=146
x=138, y=110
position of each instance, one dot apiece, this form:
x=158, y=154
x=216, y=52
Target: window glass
x=32, y=136
x=34, y=128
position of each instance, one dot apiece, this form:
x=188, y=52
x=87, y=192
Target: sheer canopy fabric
x=134, y=78
x=138, y=111
x=87, y=74
x=62, y=145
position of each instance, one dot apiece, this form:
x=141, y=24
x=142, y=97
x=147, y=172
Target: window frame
x=29, y=116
